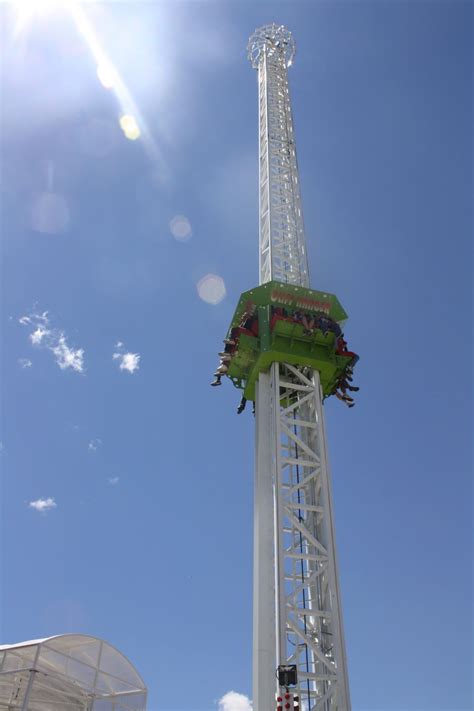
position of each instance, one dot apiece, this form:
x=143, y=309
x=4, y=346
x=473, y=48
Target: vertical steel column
x=297, y=606
x=264, y=583
x=282, y=241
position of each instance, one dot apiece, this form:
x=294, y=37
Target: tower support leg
x=297, y=604
x=264, y=581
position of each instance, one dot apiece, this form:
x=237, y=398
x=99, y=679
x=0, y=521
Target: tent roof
x=72, y=671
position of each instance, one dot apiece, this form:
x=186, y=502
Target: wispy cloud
x=233, y=701
x=113, y=480
x=43, y=505
x=67, y=357
x=127, y=361
x=25, y=362
x=94, y=444
x=53, y=340
x=34, y=319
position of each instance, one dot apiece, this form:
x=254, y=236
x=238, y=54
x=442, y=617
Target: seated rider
x=349, y=401
x=341, y=350
x=328, y=324
x=225, y=356
x=278, y=314
x=343, y=386
x=222, y=368
x=335, y=328
x=309, y=324
x=242, y=404
x=249, y=326
x=307, y=321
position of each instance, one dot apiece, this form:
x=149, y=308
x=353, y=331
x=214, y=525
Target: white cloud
x=233, y=701
x=119, y=344
x=94, y=444
x=34, y=318
x=43, y=505
x=113, y=480
x=128, y=361
x=37, y=336
x=54, y=340
x=67, y=357
x=25, y=362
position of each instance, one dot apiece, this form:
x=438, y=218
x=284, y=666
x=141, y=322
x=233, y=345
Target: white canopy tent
x=69, y=672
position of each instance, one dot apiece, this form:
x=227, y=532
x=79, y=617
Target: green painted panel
x=286, y=342
x=294, y=298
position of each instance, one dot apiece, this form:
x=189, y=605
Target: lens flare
x=211, y=289
x=130, y=127
x=181, y=228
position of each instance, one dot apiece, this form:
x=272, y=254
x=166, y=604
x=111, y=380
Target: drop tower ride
x=283, y=349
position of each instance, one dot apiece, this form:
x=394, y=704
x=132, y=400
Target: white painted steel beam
x=282, y=242
x=264, y=581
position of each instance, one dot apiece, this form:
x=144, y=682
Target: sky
x=127, y=481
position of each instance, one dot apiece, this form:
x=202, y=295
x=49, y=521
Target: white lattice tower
x=297, y=604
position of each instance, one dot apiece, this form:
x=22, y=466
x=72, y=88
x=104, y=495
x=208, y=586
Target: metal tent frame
x=69, y=672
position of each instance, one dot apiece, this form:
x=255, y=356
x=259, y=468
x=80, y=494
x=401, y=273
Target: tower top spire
x=271, y=41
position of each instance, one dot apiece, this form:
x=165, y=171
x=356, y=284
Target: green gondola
x=282, y=339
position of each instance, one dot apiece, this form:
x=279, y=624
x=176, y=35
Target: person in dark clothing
x=344, y=385
x=309, y=324
x=324, y=324
x=349, y=401
x=335, y=328
x=242, y=404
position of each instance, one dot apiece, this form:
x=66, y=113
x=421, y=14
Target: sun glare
x=131, y=121
x=107, y=75
x=26, y=10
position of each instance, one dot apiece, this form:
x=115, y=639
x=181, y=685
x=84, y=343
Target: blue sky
x=150, y=542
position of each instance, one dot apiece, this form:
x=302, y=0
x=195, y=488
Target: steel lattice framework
x=297, y=605
x=282, y=241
